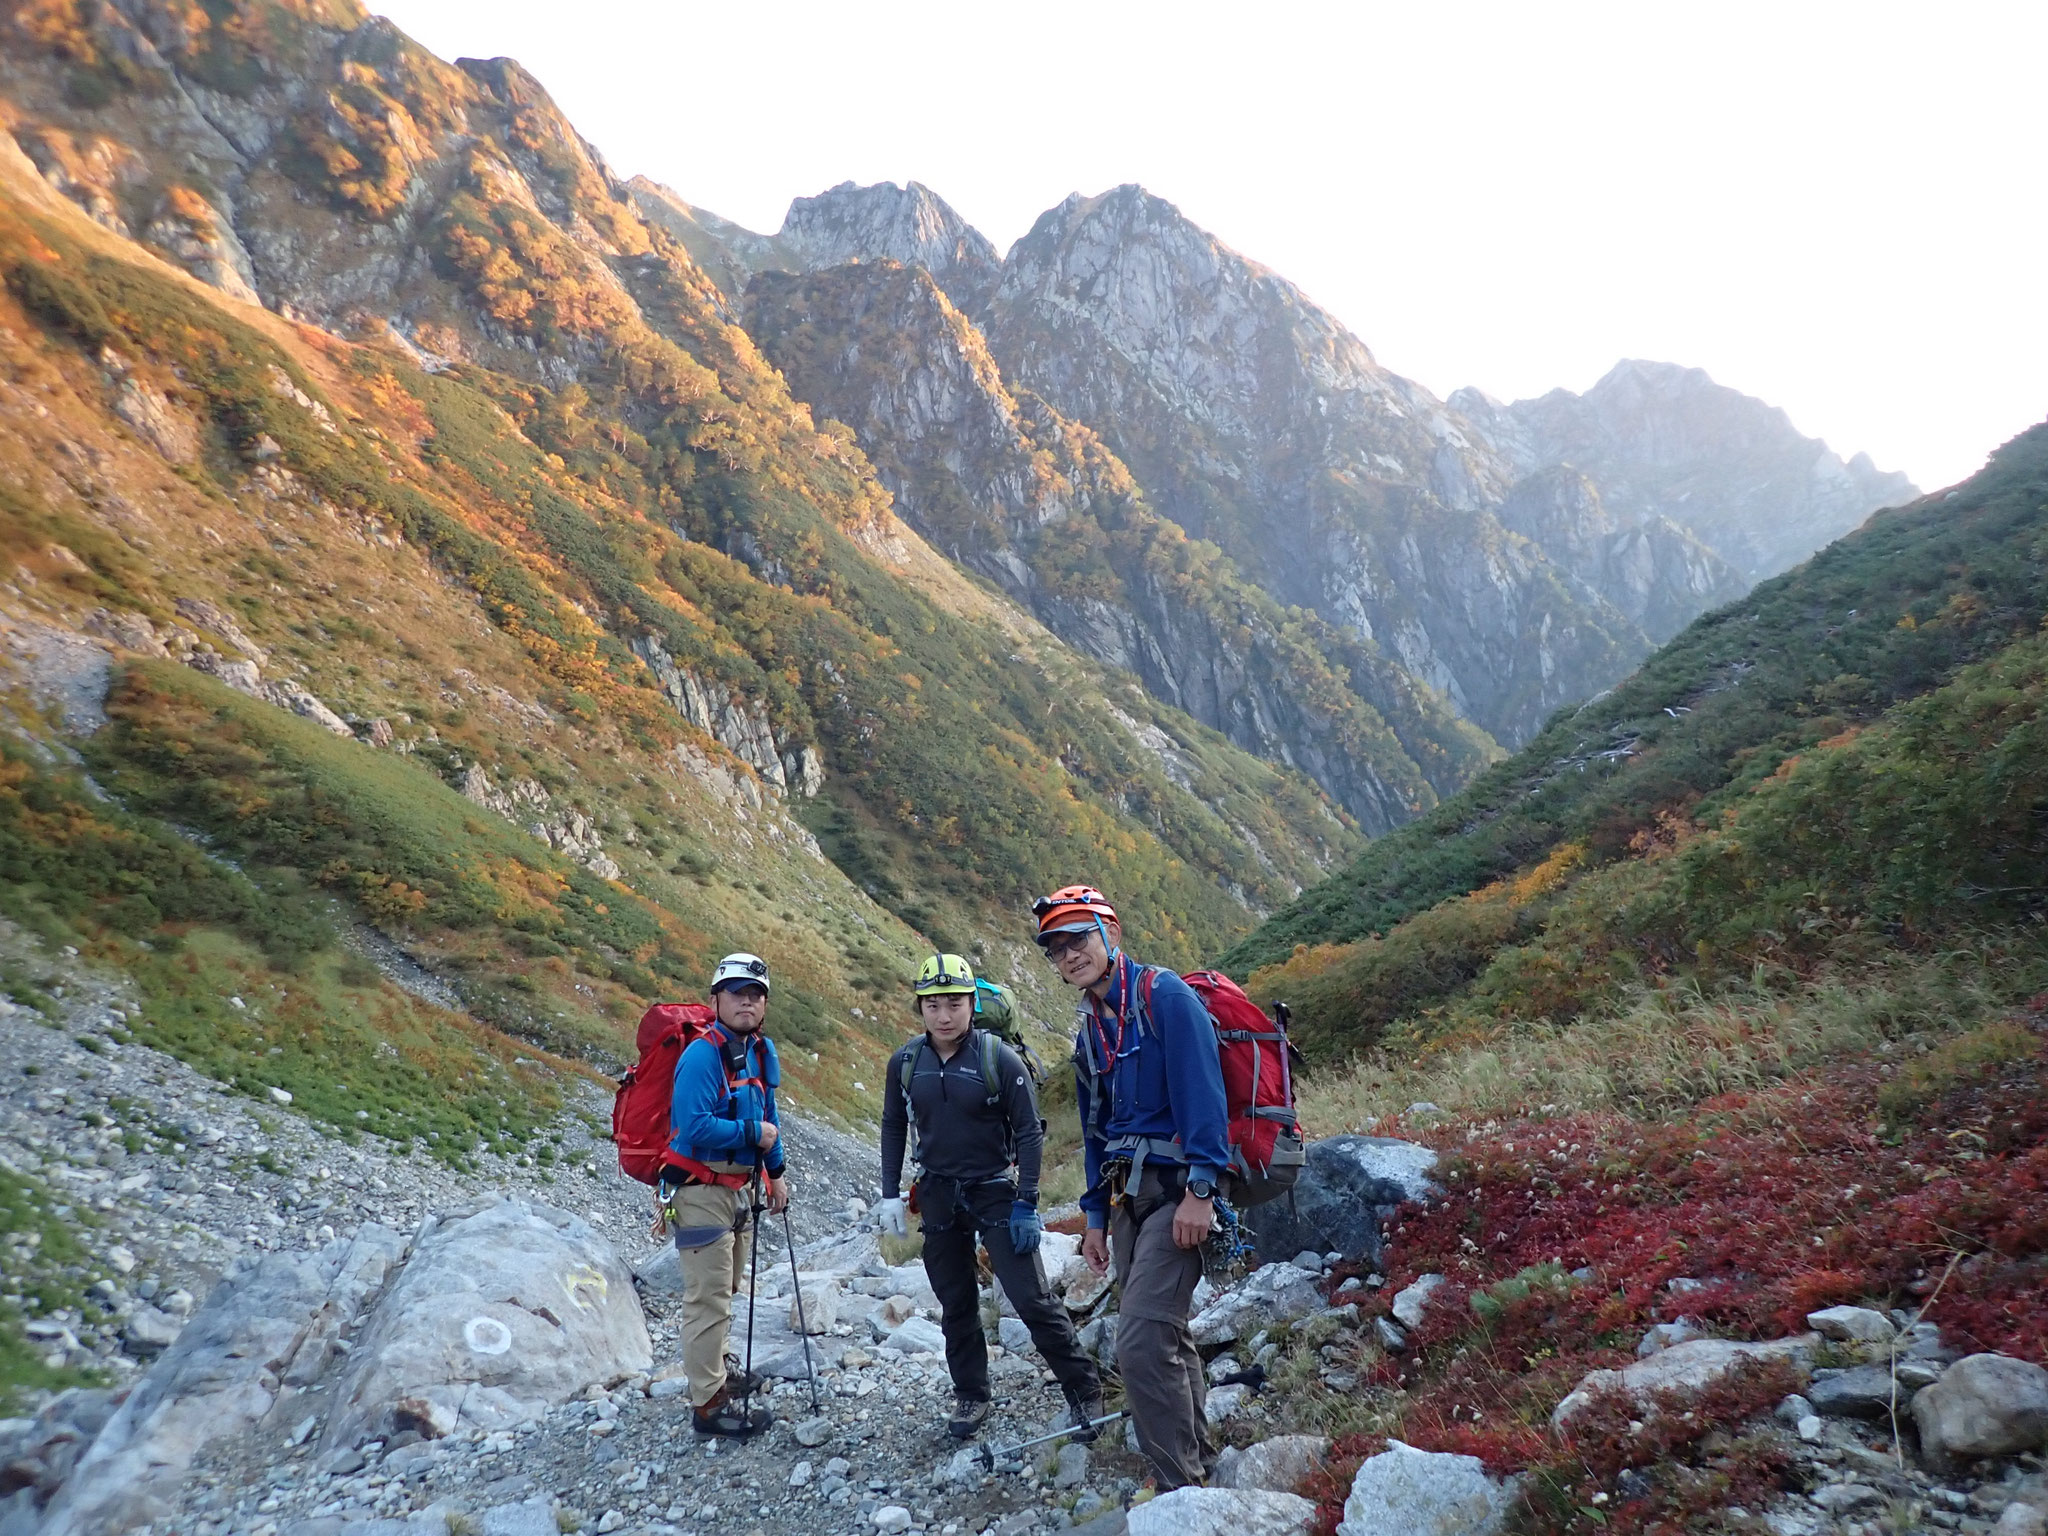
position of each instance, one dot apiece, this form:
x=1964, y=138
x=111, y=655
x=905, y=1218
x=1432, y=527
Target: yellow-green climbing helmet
x=941, y=974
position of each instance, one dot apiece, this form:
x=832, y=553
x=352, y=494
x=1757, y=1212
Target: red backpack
x=1266, y=1153
x=640, y=1124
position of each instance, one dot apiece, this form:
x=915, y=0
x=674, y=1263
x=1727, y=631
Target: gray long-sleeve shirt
x=960, y=1135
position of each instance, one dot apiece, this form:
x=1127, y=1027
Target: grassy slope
x=1877, y=617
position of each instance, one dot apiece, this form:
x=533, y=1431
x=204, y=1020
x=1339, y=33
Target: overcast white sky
x=1838, y=208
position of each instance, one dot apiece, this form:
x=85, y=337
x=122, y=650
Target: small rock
x=1015, y=1336
x=1391, y=1338
x=1664, y=1335
x=1223, y=1365
x=1070, y=1467
x=1840, y=1498
x=1278, y=1465
x=1984, y=1405
x=800, y=1475
x=1222, y=1402
x=1221, y=1512
x=2021, y=1520
x=891, y=1518
x=1309, y=1260
x=610, y=1521
x=1402, y=1491
x=1850, y=1325
x=918, y=1336
x=814, y=1308
x=812, y=1433
x=121, y=1259
x=1863, y=1393
x=675, y=1386
x=1411, y=1301
x=280, y=1096
x=148, y=1330
x=895, y=1311
x=1809, y=1428
x=964, y=1468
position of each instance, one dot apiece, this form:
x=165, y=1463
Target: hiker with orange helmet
x=725, y=1137
x=1154, y=1134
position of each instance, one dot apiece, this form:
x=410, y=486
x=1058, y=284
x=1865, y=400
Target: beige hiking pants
x=712, y=1222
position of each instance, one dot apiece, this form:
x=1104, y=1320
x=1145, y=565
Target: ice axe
x=991, y=1454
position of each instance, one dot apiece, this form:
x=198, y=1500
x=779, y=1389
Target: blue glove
x=1025, y=1228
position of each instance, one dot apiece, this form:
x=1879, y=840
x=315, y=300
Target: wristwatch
x=1201, y=1189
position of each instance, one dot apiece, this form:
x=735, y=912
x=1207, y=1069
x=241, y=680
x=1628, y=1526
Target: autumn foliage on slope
x=1909, y=1183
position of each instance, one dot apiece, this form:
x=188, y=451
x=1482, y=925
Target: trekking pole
x=802, y=1323
x=991, y=1454
x=753, y=1272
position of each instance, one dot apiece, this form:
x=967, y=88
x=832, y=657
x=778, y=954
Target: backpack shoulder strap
x=992, y=1067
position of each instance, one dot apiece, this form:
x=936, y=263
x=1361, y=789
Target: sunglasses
x=1060, y=945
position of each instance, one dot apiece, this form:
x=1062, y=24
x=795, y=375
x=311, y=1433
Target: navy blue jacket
x=714, y=1121
x=1163, y=1082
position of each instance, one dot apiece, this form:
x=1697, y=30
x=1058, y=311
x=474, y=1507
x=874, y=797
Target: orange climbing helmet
x=1071, y=909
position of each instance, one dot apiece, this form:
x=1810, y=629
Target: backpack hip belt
x=695, y=1172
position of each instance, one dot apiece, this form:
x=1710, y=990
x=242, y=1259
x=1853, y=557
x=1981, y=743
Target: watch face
x=1202, y=1189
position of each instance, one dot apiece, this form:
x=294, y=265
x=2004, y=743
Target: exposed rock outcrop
x=1665, y=441
x=1035, y=502
x=1253, y=419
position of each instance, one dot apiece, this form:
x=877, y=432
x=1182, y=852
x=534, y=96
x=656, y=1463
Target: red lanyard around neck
x=1125, y=981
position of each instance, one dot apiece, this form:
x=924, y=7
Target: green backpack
x=995, y=1010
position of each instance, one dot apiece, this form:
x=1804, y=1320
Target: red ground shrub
x=1776, y=1203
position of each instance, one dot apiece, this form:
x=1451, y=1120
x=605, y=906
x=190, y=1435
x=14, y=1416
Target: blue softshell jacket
x=713, y=1120
x=1165, y=1081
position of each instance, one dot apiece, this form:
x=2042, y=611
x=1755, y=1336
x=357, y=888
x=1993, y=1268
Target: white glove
x=894, y=1218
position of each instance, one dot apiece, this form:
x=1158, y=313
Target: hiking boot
x=742, y=1383
x=722, y=1416
x=1082, y=1417
x=969, y=1414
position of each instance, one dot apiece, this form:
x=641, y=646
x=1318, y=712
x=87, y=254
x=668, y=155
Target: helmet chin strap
x=1111, y=954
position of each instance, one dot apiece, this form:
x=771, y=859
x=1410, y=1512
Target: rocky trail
x=292, y=1335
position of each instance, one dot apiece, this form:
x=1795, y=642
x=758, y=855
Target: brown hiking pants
x=1161, y=1368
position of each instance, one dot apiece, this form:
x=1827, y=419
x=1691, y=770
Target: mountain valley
x=453, y=592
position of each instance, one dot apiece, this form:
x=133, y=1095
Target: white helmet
x=741, y=970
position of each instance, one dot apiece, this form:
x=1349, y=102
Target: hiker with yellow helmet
x=963, y=1100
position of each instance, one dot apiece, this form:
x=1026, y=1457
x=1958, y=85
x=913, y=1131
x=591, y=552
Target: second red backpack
x=640, y=1122
x=1266, y=1152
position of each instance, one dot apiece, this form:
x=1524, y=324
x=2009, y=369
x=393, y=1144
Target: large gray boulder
x=1984, y=1405
x=499, y=1314
x=1221, y=1512
x=265, y=1329
x=1272, y=1293
x=1278, y=1465
x=1403, y=1492
x=1347, y=1189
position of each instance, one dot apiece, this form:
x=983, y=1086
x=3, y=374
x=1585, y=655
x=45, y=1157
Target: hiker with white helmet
x=964, y=1101
x=725, y=1144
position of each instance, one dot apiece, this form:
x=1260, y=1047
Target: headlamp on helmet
x=941, y=975
x=740, y=970
x=1073, y=909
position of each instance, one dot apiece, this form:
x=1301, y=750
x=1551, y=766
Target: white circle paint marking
x=487, y=1336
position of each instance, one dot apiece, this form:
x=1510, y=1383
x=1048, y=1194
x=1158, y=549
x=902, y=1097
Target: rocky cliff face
x=1034, y=502
x=1253, y=419
x=1654, y=572
x=1664, y=441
